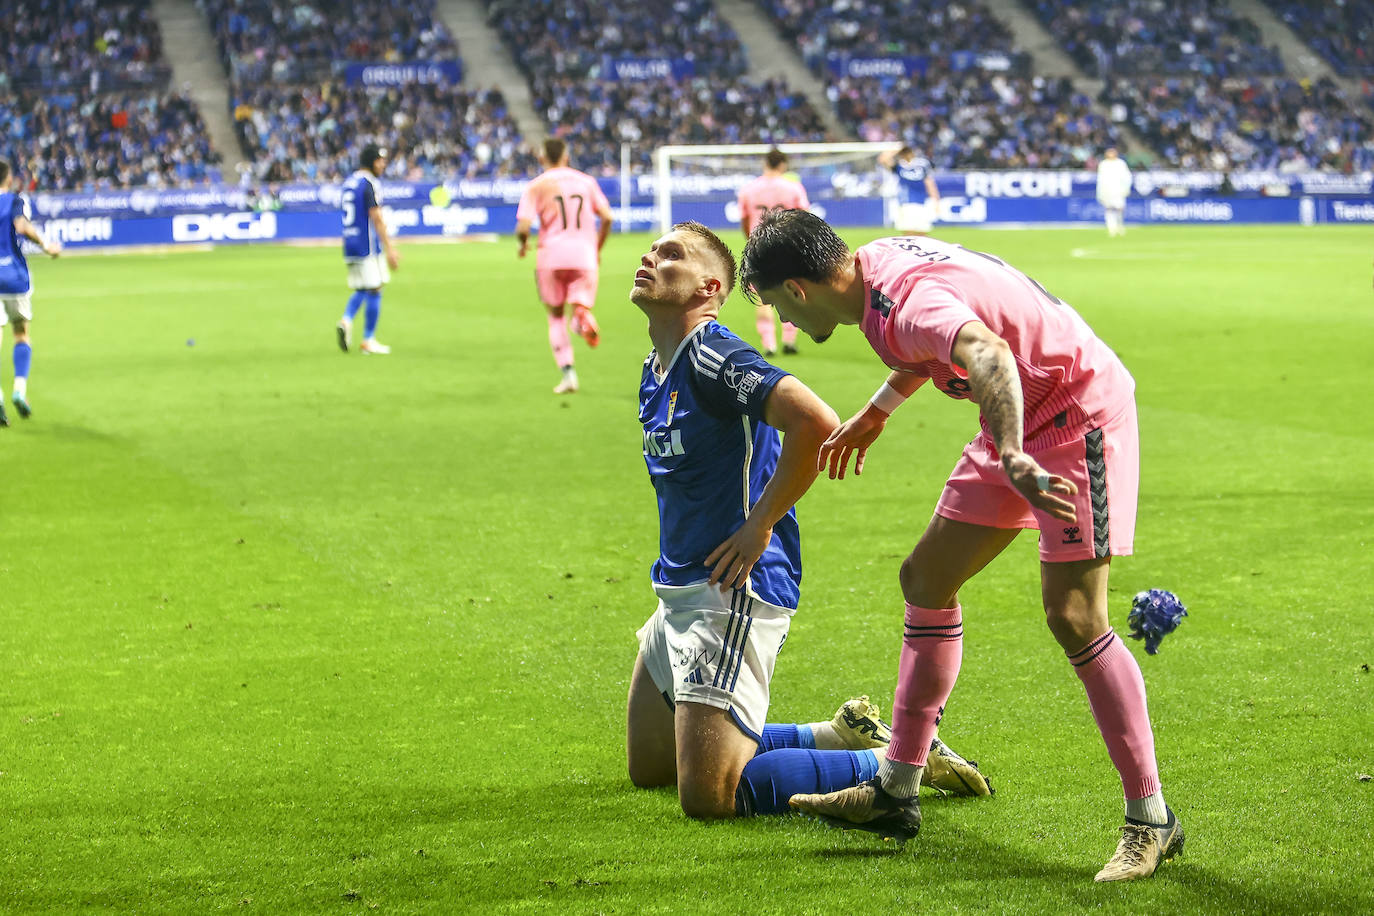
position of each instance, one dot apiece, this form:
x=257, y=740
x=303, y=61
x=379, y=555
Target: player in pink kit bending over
x=771, y=191
x=1058, y=451
x=574, y=221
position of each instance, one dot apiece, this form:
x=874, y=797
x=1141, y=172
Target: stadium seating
x=77, y=139
x=1215, y=123
x=1342, y=31
x=283, y=42
x=973, y=119
x=1137, y=37
x=83, y=100
x=315, y=132
x=299, y=119
x=66, y=43
x=565, y=49
x=886, y=28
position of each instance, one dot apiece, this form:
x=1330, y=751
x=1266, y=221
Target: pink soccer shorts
x=567, y=285
x=1104, y=464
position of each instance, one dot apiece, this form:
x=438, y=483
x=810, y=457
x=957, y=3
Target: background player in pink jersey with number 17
x=574, y=221
x=1059, y=452
x=772, y=190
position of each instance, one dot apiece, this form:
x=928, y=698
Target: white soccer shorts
x=718, y=648
x=368, y=273
x=16, y=307
x=915, y=217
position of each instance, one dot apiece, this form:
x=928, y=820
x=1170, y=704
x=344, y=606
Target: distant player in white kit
x=917, y=194
x=574, y=221
x=16, y=286
x=772, y=190
x=1113, y=187
x=367, y=250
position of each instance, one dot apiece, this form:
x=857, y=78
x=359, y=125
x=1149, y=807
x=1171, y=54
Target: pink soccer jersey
x=922, y=291
x=564, y=202
x=768, y=192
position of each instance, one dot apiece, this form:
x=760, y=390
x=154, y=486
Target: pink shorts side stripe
x=1105, y=466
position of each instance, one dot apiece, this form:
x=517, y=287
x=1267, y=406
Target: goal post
x=855, y=162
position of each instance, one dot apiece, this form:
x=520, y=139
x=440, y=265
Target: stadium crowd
x=298, y=119
x=567, y=50
x=314, y=132
x=83, y=99
x=1215, y=123
x=284, y=42
x=67, y=43
x=887, y=28
x=972, y=119
x=81, y=140
x=1140, y=37
x=1341, y=31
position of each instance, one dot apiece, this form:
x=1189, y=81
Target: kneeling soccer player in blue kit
x=729, y=569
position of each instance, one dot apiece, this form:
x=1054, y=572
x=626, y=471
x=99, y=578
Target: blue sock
x=770, y=779
x=780, y=736
x=355, y=302
x=374, y=311
x=23, y=354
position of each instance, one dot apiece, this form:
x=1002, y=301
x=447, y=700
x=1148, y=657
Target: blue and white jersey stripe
x=710, y=454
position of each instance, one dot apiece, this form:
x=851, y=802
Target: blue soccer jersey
x=14, y=269
x=710, y=455
x=360, y=195
x=911, y=177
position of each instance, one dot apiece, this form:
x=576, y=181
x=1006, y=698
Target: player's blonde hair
x=718, y=248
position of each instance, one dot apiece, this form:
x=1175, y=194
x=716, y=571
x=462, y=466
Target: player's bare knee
x=648, y=774
x=923, y=586
x=705, y=803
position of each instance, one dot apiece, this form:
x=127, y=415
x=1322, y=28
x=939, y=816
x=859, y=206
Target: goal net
x=692, y=181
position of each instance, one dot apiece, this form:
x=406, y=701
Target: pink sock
x=789, y=333
x=931, y=653
x=763, y=322
x=558, y=340
x=1116, y=692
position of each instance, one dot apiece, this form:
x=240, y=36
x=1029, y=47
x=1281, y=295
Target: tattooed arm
x=996, y=388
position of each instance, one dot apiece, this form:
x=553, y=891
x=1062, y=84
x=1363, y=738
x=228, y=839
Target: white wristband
x=887, y=399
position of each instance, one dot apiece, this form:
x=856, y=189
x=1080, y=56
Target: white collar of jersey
x=678, y=352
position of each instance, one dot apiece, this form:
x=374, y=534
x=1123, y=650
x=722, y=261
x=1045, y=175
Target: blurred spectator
x=1342, y=31
x=77, y=139
x=1136, y=37
x=1225, y=124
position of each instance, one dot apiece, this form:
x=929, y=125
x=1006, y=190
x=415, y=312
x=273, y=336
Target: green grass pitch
x=285, y=630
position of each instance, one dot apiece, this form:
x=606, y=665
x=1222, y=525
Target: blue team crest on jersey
x=672, y=405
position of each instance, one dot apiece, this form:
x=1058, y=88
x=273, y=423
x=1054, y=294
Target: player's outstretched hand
x=1043, y=490
x=525, y=246
x=733, y=561
x=52, y=248
x=852, y=437
x=393, y=259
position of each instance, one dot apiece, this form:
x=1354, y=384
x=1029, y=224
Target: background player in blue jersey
x=367, y=249
x=16, y=286
x=728, y=573
x=917, y=195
